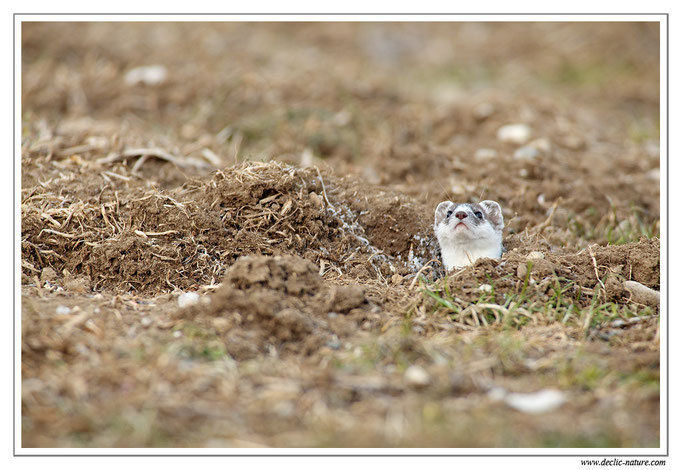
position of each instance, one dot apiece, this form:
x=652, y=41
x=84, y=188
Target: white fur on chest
x=457, y=255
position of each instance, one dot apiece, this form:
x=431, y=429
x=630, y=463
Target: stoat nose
x=461, y=215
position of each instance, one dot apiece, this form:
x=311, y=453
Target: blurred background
x=414, y=106
x=282, y=87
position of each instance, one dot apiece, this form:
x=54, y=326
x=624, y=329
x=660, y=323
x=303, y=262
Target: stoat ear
x=441, y=210
x=494, y=213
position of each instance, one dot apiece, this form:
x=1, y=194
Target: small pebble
x=62, y=310
x=187, y=299
x=417, y=376
x=497, y=393
x=541, y=268
x=537, y=402
x=526, y=153
x=316, y=200
x=652, y=149
x=146, y=321
x=177, y=334
x=148, y=75
x=79, y=285
x=535, y=255
x=483, y=111
x=514, y=133
x=485, y=288
x=642, y=294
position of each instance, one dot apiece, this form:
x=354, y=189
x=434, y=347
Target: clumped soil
x=291, y=186
x=151, y=241
x=282, y=303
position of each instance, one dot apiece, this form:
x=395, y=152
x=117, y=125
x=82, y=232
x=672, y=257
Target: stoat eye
x=448, y=214
x=478, y=214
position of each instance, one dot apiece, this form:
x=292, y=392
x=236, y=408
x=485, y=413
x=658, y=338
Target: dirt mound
x=154, y=240
x=279, y=302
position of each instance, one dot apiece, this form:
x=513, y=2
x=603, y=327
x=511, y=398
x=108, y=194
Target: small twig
x=165, y=258
x=421, y=270
x=106, y=219
x=588, y=320
x=212, y=158
x=152, y=152
x=144, y=154
x=324, y=190
x=155, y=234
x=51, y=220
x=548, y=221
x=138, y=164
x=54, y=232
x=76, y=149
x=238, y=137
x=596, y=269
x=25, y=264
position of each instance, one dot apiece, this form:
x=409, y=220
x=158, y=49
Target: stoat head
x=463, y=223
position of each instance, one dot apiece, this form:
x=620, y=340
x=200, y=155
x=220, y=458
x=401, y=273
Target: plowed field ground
x=227, y=235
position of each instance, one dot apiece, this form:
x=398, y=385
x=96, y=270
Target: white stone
x=62, y=310
x=187, y=299
x=485, y=288
x=497, y=393
x=514, y=133
x=652, y=149
x=150, y=75
x=417, y=376
x=654, y=175
x=527, y=153
x=537, y=402
x=642, y=294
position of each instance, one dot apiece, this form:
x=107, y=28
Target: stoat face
x=467, y=232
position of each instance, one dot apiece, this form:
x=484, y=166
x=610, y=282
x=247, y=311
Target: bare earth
x=288, y=173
